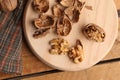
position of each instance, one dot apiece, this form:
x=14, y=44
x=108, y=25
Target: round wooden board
x=103, y=14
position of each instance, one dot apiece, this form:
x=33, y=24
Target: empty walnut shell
x=73, y=14
x=63, y=26
x=94, y=32
x=57, y=10
x=41, y=6
x=79, y=5
x=67, y=3
x=43, y=21
x=41, y=32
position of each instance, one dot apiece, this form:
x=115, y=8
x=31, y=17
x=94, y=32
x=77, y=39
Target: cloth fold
x=10, y=40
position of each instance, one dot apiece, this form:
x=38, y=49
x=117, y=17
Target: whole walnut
x=8, y=5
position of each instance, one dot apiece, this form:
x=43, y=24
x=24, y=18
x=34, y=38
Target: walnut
x=63, y=26
x=79, y=5
x=76, y=53
x=78, y=59
x=67, y=3
x=72, y=14
x=58, y=10
x=8, y=5
x=59, y=46
x=44, y=21
x=41, y=6
x=94, y=32
x=41, y=32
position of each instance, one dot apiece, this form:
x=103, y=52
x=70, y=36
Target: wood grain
x=102, y=72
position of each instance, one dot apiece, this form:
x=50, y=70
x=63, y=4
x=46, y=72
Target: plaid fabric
x=10, y=40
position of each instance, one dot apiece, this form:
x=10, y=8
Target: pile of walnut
x=64, y=14
x=60, y=46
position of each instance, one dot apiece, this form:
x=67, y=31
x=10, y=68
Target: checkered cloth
x=10, y=40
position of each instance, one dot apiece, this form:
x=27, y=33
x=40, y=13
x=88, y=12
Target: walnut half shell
x=63, y=26
x=41, y=32
x=44, y=21
x=67, y=3
x=73, y=14
x=94, y=32
x=41, y=6
x=58, y=10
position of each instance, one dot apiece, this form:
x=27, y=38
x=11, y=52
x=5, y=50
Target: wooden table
x=30, y=60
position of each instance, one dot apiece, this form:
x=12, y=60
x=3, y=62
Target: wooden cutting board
x=103, y=14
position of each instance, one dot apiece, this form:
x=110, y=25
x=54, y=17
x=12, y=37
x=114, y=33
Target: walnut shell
x=41, y=32
x=57, y=10
x=73, y=14
x=63, y=26
x=79, y=5
x=44, y=21
x=8, y=5
x=41, y=6
x=67, y=3
x=94, y=32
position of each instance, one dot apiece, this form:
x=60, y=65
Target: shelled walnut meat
x=41, y=6
x=94, y=32
x=59, y=46
x=76, y=53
